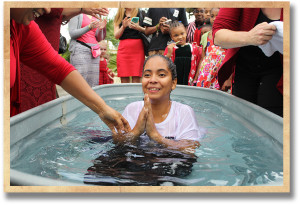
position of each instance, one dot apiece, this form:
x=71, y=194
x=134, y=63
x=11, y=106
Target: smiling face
x=157, y=80
x=213, y=15
x=26, y=15
x=199, y=15
x=207, y=15
x=179, y=34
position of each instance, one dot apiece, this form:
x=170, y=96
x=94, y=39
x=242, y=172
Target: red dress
x=195, y=60
x=103, y=75
x=36, y=89
x=29, y=46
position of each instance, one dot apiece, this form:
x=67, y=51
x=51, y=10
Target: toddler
x=186, y=56
x=105, y=74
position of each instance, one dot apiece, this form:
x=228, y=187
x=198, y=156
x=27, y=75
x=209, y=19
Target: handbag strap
x=84, y=44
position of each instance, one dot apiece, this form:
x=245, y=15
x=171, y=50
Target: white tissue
x=276, y=43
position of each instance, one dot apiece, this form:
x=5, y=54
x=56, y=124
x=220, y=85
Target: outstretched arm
x=69, y=13
x=78, y=87
x=139, y=128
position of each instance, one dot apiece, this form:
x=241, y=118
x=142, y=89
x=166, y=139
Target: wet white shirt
x=180, y=123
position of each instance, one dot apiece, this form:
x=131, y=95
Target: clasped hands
x=145, y=122
x=99, y=24
x=97, y=13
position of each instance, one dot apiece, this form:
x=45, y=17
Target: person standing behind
x=199, y=20
x=130, y=55
x=85, y=32
x=36, y=89
x=198, y=32
x=29, y=45
x=211, y=60
x=105, y=74
x=186, y=56
x=207, y=12
x=155, y=24
x=257, y=77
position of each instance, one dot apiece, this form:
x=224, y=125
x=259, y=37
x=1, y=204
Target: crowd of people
x=221, y=49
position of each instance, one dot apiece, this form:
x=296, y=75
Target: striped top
x=190, y=32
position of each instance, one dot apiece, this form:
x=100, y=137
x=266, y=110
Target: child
x=212, y=57
x=186, y=56
x=207, y=15
x=198, y=32
x=157, y=118
x=105, y=74
x=204, y=29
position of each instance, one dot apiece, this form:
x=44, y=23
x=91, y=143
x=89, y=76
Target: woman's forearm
x=75, y=85
x=150, y=30
x=118, y=32
x=142, y=29
x=187, y=146
x=231, y=39
x=74, y=31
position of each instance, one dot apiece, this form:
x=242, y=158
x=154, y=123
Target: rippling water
x=233, y=153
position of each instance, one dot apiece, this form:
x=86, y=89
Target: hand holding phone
x=168, y=22
x=135, y=19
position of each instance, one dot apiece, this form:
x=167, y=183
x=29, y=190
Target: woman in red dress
x=130, y=56
x=29, y=46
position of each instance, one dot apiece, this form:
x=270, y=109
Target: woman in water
x=157, y=118
x=167, y=132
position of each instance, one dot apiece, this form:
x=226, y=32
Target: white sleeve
x=188, y=127
x=131, y=113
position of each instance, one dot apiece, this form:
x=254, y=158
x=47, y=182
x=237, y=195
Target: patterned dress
x=208, y=74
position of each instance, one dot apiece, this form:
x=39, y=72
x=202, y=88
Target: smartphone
x=135, y=19
x=168, y=22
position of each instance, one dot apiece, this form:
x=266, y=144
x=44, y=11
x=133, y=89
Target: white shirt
x=180, y=123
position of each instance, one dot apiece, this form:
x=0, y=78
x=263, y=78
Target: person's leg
x=136, y=79
x=245, y=86
x=125, y=80
x=269, y=96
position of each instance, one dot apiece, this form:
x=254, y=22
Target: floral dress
x=208, y=74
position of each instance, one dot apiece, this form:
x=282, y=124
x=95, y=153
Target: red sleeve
x=37, y=53
x=173, y=53
x=166, y=51
x=228, y=18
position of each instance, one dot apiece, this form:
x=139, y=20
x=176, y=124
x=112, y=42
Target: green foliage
x=113, y=62
x=110, y=37
x=110, y=33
